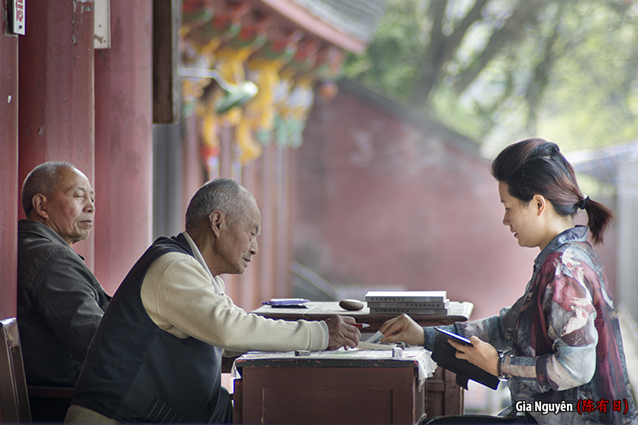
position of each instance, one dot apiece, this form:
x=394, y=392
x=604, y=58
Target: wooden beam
x=312, y=24
x=166, y=22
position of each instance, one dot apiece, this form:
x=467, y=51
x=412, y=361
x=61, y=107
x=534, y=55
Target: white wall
x=627, y=238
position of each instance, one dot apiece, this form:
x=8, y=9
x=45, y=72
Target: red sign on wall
x=19, y=16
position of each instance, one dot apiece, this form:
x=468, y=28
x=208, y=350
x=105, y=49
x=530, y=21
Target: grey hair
x=222, y=194
x=43, y=179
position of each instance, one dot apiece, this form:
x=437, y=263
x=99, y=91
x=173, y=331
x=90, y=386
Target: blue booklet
x=287, y=302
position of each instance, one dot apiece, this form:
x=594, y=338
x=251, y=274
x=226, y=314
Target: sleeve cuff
x=429, y=335
x=503, y=365
x=326, y=335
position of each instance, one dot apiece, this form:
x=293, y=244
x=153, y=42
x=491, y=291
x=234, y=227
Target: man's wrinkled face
x=70, y=208
x=238, y=242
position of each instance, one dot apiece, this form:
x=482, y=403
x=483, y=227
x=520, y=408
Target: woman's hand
x=402, y=329
x=480, y=353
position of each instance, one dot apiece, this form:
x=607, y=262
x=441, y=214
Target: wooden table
x=321, y=310
x=358, y=387
x=443, y=395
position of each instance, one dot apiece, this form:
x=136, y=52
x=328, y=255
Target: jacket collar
x=575, y=234
x=35, y=227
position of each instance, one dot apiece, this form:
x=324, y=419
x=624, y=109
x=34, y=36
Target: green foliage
x=391, y=60
x=594, y=84
x=564, y=70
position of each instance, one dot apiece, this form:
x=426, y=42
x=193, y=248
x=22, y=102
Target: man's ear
x=39, y=203
x=216, y=220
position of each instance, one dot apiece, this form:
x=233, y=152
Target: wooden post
x=56, y=108
x=123, y=143
x=9, y=183
x=166, y=22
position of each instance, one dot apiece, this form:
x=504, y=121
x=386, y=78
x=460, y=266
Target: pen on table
x=361, y=325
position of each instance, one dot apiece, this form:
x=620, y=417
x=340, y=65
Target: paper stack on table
x=409, y=302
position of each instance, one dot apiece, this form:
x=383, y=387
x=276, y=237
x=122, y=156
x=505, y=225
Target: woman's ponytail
x=598, y=218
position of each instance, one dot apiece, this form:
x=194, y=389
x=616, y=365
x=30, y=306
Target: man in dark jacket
x=60, y=302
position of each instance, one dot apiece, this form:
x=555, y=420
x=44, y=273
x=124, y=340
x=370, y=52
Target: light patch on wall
x=19, y=16
x=102, y=24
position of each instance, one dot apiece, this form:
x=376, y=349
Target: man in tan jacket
x=156, y=356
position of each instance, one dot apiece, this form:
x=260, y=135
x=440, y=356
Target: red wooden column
x=283, y=241
x=226, y=151
x=56, y=118
x=192, y=165
x=8, y=170
x=124, y=142
x=268, y=250
x=248, y=297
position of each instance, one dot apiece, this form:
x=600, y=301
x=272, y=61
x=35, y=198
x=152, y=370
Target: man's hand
x=342, y=333
x=480, y=353
x=402, y=329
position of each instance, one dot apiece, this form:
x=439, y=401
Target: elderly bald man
x=156, y=356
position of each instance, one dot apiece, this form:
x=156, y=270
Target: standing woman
x=560, y=342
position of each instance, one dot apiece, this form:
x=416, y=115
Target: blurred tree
x=498, y=70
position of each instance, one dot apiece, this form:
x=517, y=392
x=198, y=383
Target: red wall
x=123, y=142
x=8, y=170
x=383, y=202
x=56, y=116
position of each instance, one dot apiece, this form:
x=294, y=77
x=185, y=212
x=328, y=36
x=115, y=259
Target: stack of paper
x=409, y=302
